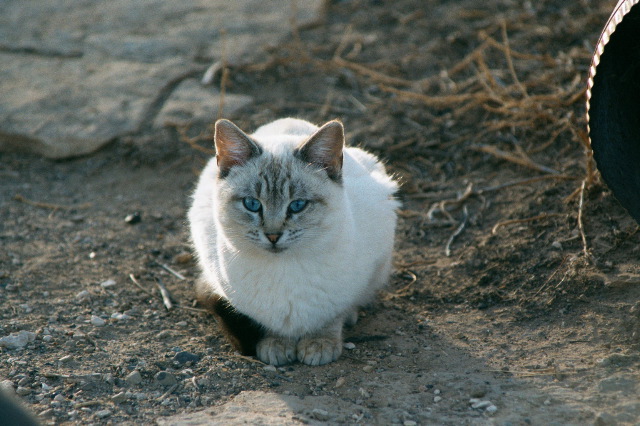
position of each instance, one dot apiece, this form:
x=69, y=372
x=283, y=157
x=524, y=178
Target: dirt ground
x=497, y=312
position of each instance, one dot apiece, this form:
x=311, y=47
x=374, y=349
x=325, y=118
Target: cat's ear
x=324, y=149
x=233, y=146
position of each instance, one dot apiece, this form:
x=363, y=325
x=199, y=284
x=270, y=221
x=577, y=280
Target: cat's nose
x=273, y=237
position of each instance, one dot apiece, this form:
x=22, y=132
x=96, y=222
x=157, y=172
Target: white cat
x=293, y=232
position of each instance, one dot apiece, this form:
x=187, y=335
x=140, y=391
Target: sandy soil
x=494, y=315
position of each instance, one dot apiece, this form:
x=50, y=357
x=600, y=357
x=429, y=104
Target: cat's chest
x=290, y=297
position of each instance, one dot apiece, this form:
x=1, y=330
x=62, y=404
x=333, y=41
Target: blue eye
x=251, y=204
x=297, y=206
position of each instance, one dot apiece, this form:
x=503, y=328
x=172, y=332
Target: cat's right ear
x=233, y=146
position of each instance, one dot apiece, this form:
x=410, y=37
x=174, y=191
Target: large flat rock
x=76, y=75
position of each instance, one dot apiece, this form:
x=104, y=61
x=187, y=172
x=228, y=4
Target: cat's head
x=278, y=199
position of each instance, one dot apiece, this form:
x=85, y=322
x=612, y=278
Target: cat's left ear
x=233, y=146
x=324, y=149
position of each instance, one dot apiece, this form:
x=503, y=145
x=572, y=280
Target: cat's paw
x=276, y=350
x=319, y=350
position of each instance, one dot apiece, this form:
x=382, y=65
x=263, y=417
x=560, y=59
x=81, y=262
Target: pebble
x=133, y=218
x=556, y=245
x=162, y=335
x=6, y=385
x=22, y=391
x=119, y=316
x=270, y=368
x=133, y=378
x=368, y=368
x=320, y=414
x=437, y=398
x=65, y=358
x=103, y=414
x=340, y=382
x=59, y=398
x=349, y=346
x=47, y=338
x=184, y=357
x=83, y=296
x=97, y=321
x=409, y=423
x=491, y=409
x=165, y=378
x=17, y=340
x=107, y=283
x=119, y=397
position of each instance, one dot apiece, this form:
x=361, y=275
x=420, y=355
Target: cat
x=293, y=232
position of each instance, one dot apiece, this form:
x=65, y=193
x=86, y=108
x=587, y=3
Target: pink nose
x=273, y=237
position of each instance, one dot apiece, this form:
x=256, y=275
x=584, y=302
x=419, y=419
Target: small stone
x=107, y=284
x=184, y=357
x=409, y=423
x=349, y=346
x=7, y=385
x=437, y=398
x=46, y=413
x=17, y=340
x=59, y=398
x=547, y=402
x=119, y=397
x=83, y=296
x=47, y=338
x=66, y=358
x=340, y=382
x=97, y=321
x=133, y=218
x=165, y=378
x=22, y=391
x=436, y=391
x=480, y=404
x=133, y=378
x=368, y=368
x=605, y=419
x=491, y=409
x=556, y=245
x=163, y=334
x=119, y=316
x=181, y=323
x=320, y=414
x=103, y=414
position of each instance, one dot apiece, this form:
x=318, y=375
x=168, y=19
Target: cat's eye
x=297, y=206
x=251, y=204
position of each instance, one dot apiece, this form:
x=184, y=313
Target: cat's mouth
x=276, y=249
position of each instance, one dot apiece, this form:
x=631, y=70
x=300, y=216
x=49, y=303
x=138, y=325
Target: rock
x=17, y=340
x=320, y=414
x=191, y=103
x=340, y=382
x=7, y=386
x=97, y=321
x=23, y=391
x=183, y=258
x=165, y=378
x=270, y=368
x=437, y=399
x=605, y=419
x=133, y=378
x=349, y=346
x=59, y=398
x=108, y=284
x=184, y=357
x=119, y=397
x=118, y=65
x=83, y=296
x=133, y=218
x=368, y=368
x=103, y=414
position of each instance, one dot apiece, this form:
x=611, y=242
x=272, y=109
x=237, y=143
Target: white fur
x=302, y=289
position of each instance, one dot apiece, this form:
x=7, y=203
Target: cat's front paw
x=276, y=350
x=319, y=350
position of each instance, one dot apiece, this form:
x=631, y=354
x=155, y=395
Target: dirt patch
x=496, y=300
